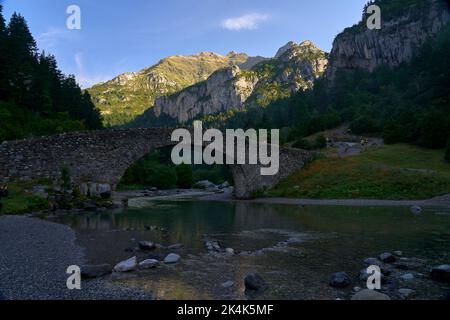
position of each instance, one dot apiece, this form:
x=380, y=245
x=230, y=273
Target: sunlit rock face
x=294, y=68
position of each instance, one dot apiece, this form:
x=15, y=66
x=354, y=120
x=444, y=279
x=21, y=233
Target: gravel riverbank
x=34, y=256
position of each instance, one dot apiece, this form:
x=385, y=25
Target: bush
x=321, y=142
x=364, y=125
x=162, y=177
x=303, y=144
x=393, y=133
x=185, y=177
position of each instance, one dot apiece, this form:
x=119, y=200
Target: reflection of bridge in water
x=104, y=156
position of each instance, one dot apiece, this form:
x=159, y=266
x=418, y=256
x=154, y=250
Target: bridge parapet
x=103, y=157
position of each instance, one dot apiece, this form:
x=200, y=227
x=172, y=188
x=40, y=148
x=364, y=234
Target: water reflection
x=321, y=240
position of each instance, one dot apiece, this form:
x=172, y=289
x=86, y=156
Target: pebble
x=227, y=284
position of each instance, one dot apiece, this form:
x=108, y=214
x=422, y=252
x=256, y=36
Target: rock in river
x=340, y=280
x=148, y=264
x=416, y=209
x=441, y=273
x=172, y=258
x=147, y=245
x=372, y=262
x=95, y=271
x=127, y=265
x=387, y=257
x=367, y=294
x=407, y=277
x=254, y=282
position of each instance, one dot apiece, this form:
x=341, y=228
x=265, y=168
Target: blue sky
x=120, y=36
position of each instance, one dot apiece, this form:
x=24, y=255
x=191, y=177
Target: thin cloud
x=53, y=36
x=84, y=79
x=246, y=22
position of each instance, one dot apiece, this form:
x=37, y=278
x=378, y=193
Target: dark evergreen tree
x=21, y=60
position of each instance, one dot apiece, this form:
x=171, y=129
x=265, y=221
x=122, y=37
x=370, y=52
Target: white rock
x=227, y=284
x=229, y=251
x=148, y=264
x=127, y=265
x=416, y=209
x=172, y=258
x=407, y=277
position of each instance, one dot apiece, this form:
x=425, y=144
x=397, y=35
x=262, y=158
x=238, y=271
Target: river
x=294, y=248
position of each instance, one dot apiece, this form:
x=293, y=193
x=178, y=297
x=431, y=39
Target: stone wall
x=102, y=157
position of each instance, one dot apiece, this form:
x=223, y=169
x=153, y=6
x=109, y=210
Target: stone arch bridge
x=103, y=157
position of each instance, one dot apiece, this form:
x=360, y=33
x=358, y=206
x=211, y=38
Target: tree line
x=409, y=103
x=36, y=98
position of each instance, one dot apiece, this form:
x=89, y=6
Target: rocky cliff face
x=123, y=98
x=400, y=37
x=295, y=68
x=223, y=89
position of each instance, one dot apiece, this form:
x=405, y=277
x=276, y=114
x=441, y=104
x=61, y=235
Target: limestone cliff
x=295, y=68
x=406, y=25
x=123, y=98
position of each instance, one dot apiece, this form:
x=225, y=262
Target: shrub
x=185, y=177
x=364, y=125
x=321, y=142
x=65, y=179
x=302, y=144
x=163, y=177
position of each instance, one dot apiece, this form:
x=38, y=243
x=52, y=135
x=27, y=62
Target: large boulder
x=441, y=273
x=95, y=271
x=340, y=280
x=127, y=265
x=367, y=294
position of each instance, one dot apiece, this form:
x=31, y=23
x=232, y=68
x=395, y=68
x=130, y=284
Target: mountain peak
x=308, y=43
x=285, y=48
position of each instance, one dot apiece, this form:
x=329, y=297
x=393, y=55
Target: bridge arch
x=104, y=156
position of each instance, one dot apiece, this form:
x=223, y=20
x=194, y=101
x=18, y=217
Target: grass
x=19, y=201
x=392, y=172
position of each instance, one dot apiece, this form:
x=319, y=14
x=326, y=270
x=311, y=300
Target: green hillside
x=121, y=99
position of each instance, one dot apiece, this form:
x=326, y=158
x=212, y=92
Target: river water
x=294, y=248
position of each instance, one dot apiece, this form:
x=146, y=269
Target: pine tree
x=21, y=59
